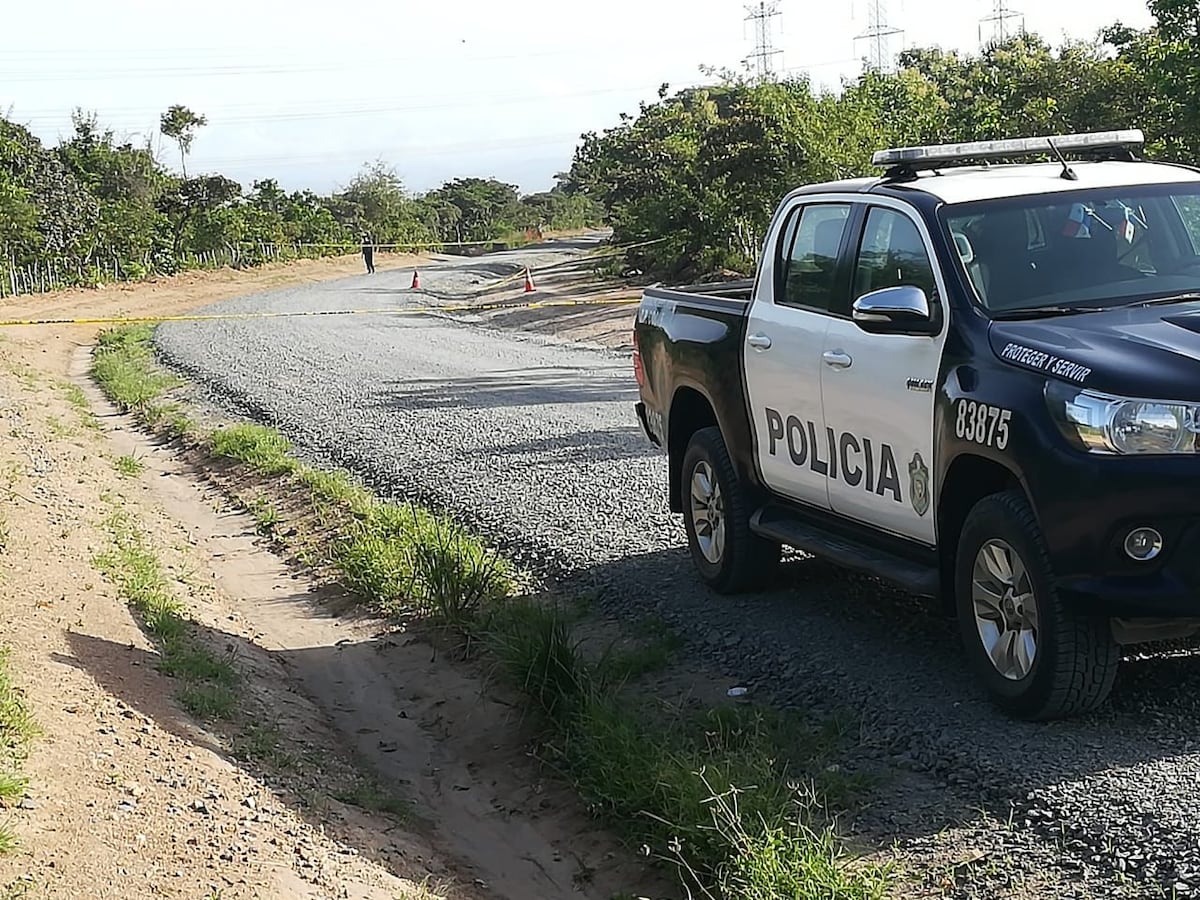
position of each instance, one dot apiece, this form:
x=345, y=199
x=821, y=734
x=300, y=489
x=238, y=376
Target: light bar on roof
x=929, y=157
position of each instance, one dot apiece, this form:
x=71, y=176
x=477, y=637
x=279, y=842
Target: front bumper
x=1085, y=521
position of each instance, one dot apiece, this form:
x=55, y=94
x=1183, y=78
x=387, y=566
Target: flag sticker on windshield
x=1077, y=224
x=1127, y=230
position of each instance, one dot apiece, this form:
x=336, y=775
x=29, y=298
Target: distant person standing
x=368, y=253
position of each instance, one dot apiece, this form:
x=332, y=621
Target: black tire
x=1076, y=657
x=748, y=561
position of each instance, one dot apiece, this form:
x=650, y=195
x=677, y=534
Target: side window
x=891, y=254
x=783, y=249
x=809, y=263
x=1189, y=211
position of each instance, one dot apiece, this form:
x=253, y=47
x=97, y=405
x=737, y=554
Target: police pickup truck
x=976, y=376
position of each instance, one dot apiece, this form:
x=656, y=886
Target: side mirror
x=901, y=309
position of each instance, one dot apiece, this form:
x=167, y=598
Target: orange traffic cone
x=529, y=288
x=416, y=285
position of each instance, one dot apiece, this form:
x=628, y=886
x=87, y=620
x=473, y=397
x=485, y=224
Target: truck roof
x=963, y=184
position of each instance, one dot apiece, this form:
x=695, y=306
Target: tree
x=484, y=209
x=1178, y=20
x=180, y=124
x=376, y=203
x=126, y=181
x=561, y=208
x=18, y=219
x=194, y=200
x=34, y=178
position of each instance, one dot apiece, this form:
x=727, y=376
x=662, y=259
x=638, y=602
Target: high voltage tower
x=880, y=34
x=762, y=14
x=1001, y=15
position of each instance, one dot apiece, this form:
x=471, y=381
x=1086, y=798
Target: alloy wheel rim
x=708, y=512
x=1006, y=613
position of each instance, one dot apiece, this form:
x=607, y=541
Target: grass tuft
x=12, y=788
x=129, y=466
x=123, y=364
x=538, y=649
x=266, y=516
x=456, y=576
x=208, y=701
x=729, y=792
x=372, y=797
x=262, y=743
x=76, y=397
x=654, y=651
x=403, y=556
x=17, y=731
x=263, y=449
x=339, y=489
x=784, y=858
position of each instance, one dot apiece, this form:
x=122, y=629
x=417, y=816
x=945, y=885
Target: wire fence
x=61, y=273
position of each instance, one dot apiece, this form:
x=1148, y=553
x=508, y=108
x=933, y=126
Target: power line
x=762, y=15
x=233, y=66
x=879, y=33
x=1001, y=15
x=397, y=154
x=253, y=114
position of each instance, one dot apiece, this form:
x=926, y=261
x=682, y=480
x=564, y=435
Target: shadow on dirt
x=281, y=762
x=437, y=750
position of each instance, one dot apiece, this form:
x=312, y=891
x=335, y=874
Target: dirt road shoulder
x=136, y=787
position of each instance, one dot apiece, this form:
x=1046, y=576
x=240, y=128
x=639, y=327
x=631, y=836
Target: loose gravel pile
x=536, y=443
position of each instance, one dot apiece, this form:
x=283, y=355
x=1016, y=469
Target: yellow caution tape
x=394, y=310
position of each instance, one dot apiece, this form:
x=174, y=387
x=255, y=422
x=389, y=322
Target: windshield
x=1099, y=247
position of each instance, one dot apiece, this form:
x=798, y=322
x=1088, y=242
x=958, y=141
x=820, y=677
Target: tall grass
x=124, y=365
x=17, y=730
x=263, y=449
x=725, y=794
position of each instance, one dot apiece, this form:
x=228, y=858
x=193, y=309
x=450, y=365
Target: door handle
x=759, y=341
x=837, y=359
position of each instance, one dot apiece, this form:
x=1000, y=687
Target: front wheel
x=728, y=555
x=1037, y=658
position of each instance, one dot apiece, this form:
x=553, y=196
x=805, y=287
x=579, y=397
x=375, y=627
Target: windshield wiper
x=1042, y=312
x=1174, y=298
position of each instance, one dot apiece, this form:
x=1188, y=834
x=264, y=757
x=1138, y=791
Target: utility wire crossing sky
x=307, y=95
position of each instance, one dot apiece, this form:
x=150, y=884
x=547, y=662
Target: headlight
x=1105, y=424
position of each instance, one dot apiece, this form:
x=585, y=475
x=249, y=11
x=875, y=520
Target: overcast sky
x=302, y=93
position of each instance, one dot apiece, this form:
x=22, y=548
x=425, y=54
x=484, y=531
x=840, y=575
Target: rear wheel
x=1037, y=658
x=728, y=555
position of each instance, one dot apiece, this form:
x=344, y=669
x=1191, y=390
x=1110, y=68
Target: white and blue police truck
x=976, y=376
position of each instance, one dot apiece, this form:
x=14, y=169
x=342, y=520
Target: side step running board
x=779, y=525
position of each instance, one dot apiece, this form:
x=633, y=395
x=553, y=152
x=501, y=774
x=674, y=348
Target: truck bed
x=689, y=345
x=720, y=295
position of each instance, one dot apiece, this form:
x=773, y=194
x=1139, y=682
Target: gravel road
x=535, y=442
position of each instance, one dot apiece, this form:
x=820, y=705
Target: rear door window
x=809, y=271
